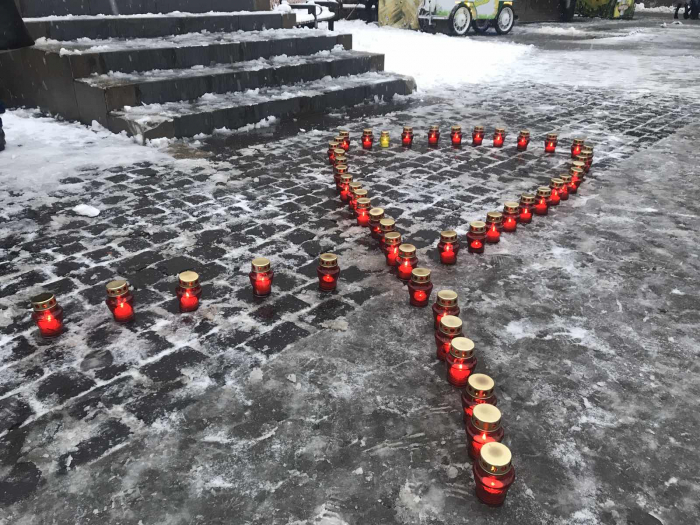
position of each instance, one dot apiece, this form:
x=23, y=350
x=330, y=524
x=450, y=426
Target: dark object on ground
x=568, y=8
x=2, y=133
x=13, y=33
x=692, y=9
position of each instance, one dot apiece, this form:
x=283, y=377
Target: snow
x=86, y=210
x=659, y=9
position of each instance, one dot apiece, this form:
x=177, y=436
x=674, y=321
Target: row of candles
x=492, y=469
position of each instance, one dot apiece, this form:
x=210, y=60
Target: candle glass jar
x=338, y=171
x=576, y=146
x=541, y=206
x=375, y=215
x=577, y=174
x=384, y=139
x=434, y=135
x=448, y=247
x=460, y=361
x=120, y=301
x=587, y=160
x=367, y=139
x=523, y=140
x=420, y=287
x=386, y=225
x=362, y=211
x=494, y=226
x=479, y=391
x=328, y=272
x=527, y=203
x=261, y=277
x=332, y=146
x=446, y=304
x=355, y=195
x=456, y=136
x=407, y=136
x=188, y=291
x=352, y=188
x=564, y=190
x=476, y=237
x=47, y=315
x=344, y=187
x=555, y=186
x=499, y=136
x=339, y=140
x=450, y=327
x=483, y=427
x=493, y=474
x=478, y=135
x=392, y=241
x=511, y=213
x=550, y=143
x=339, y=157
x=406, y=261
x=345, y=136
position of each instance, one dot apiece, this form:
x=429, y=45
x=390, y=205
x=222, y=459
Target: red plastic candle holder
x=47, y=315
x=499, y=136
x=328, y=272
x=588, y=151
x=450, y=327
x=523, y=140
x=344, y=187
x=494, y=226
x=478, y=135
x=420, y=287
x=576, y=146
x=483, y=427
x=493, y=474
x=339, y=157
x=479, y=391
x=338, y=171
x=392, y=241
x=564, y=190
x=511, y=214
x=550, y=143
x=352, y=199
x=448, y=247
x=345, y=136
x=456, y=136
x=367, y=139
x=362, y=211
x=460, y=362
x=527, y=203
x=188, y=291
x=446, y=304
x=587, y=158
x=555, y=186
x=541, y=206
x=356, y=195
x=375, y=215
x=120, y=301
x=406, y=261
x=433, y=136
x=578, y=175
x=407, y=137
x=476, y=237
x=332, y=146
x=261, y=276
x=386, y=225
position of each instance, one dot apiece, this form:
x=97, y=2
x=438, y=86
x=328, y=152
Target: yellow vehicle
x=479, y=14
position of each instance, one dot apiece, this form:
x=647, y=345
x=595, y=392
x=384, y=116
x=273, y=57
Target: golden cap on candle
x=260, y=264
x=552, y=136
x=587, y=150
x=500, y=131
x=579, y=142
x=333, y=145
x=556, y=183
x=339, y=152
x=367, y=131
x=346, y=178
x=392, y=238
x=525, y=133
x=480, y=386
x=376, y=214
x=340, y=169
x=478, y=129
x=360, y=193
x=462, y=348
x=578, y=164
x=434, y=127
x=566, y=179
x=511, y=207
x=407, y=250
x=387, y=225
x=447, y=298
x=43, y=301
x=339, y=139
x=584, y=157
x=486, y=417
x=344, y=133
x=354, y=186
x=328, y=260
x=576, y=171
x=448, y=236
x=384, y=134
x=477, y=226
x=451, y=325
x=494, y=217
x=117, y=288
x=408, y=129
x=190, y=279
x=527, y=198
x=456, y=129
x=420, y=275
x=363, y=203
x=544, y=191
x=495, y=458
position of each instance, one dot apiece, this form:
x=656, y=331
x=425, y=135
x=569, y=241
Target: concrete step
x=101, y=94
x=237, y=109
x=152, y=26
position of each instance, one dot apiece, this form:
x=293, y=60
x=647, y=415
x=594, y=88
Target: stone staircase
x=196, y=66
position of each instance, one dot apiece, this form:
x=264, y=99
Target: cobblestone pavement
x=329, y=408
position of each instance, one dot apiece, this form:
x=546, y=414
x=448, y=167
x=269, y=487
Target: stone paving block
x=62, y=386
x=328, y=310
x=108, y=435
x=13, y=412
x=21, y=482
x=168, y=368
x=278, y=338
x=274, y=311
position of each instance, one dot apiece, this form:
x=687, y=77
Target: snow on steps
x=235, y=109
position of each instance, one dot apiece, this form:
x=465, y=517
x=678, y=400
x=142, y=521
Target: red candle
x=362, y=211
x=375, y=215
x=433, y=135
x=448, y=247
x=576, y=147
x=483, y=427
x=498, y=137
x=188, y=291
x=392, y=241
x=345, y=136
x=479, y=390
x=456, y=136
x=478, y=135
x=338, y=171
x=47, y=315
x=541, y=206
x=527, y=203
x=419, y=287
x=345, y=181
x=339, y=157
x=577, y=176
x=550, y=143
x=493, y=474
x=446, y=304
x=353, y=187
x=120, y=301
x=367, y=139
x=450, y=327
x=386, y=225
x=328, y=272
x=523, y=140
x=355, y=196
x=407, y=136
x=332, y=146
x=587, y=159
x=564, y=190
x=261, y=277
x=460, y=361
x=494, y=225
x=476, y=236
x=555, y=185
x=511, y=213
x=406, y=261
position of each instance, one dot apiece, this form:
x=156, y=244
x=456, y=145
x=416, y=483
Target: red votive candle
x=448, y=247
x=362, y=211
x=355, y=195
x=450, y=327
x=456, y=136
x=483, y=427
x=541, y=206
x=499, y=136
x=386, y=225
x=392, y=241
x=420, y=287
x=120, y=301
x=493, y=474
x=494, y=225
x=339, y=157
x=527, y=203
x=375, y=215
x=576, y=146
x=446, y=304
x=338, y=171
x=261, y=277
x=188, y=291
x=332, y=146
x=523, y=139
x=479, y=391
x=587, y=150
x=367, y=139
x=550, y=143
x=47, y=315
x=564, y=190
x=511, y=213
x=460, y=361
x=407, y=137
x=344, y=187
x=578, y=175
x=328, y=272
x=345, y=136
x=434, y=135
x=555, y=185
x=406, y=261
x=478, y=135
x=587, y=158
x=352, y=199
x=476, y=237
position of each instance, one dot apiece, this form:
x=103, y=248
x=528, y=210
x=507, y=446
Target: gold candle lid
x=376, y=214
x=360, y=193
x=511, y=207
x=579, y=142
x=328, y=260
x=477, y=226
x=451, y=325
x=478, y=129
x=587, y=150
x=333, y=145
x=344, y=133
x=583, y=157
x=566, y=179
x=367, y=131
x=577, y=164
x=525, y=133
x=117, y=288
x=260, y=264
x=576, y=171
x=392, y=238
x=447, y=298
x=346, y=178
x=339, y=152
x=556, y=183
x=385, y=134
x=363, y=203
x=354, y=186
x=494, y=217
x=495, y=458
x=434, y=127
x=486, y=417
x=43, y=301
x=448, y=236
x=500, y=131
x=408, y=129
x=456, y=129
x=480, y=386
x=407, y=250
x=420, y=275
x=552, y=136
x=527, y=198
x=462, y=348
x=340, y=168
x=544, y=191
x=190, y=279
x=387, y=225
x=339, y=139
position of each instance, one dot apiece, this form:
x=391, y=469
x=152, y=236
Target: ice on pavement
x=86, y=210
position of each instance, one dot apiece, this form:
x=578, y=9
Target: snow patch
x=86, y=210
